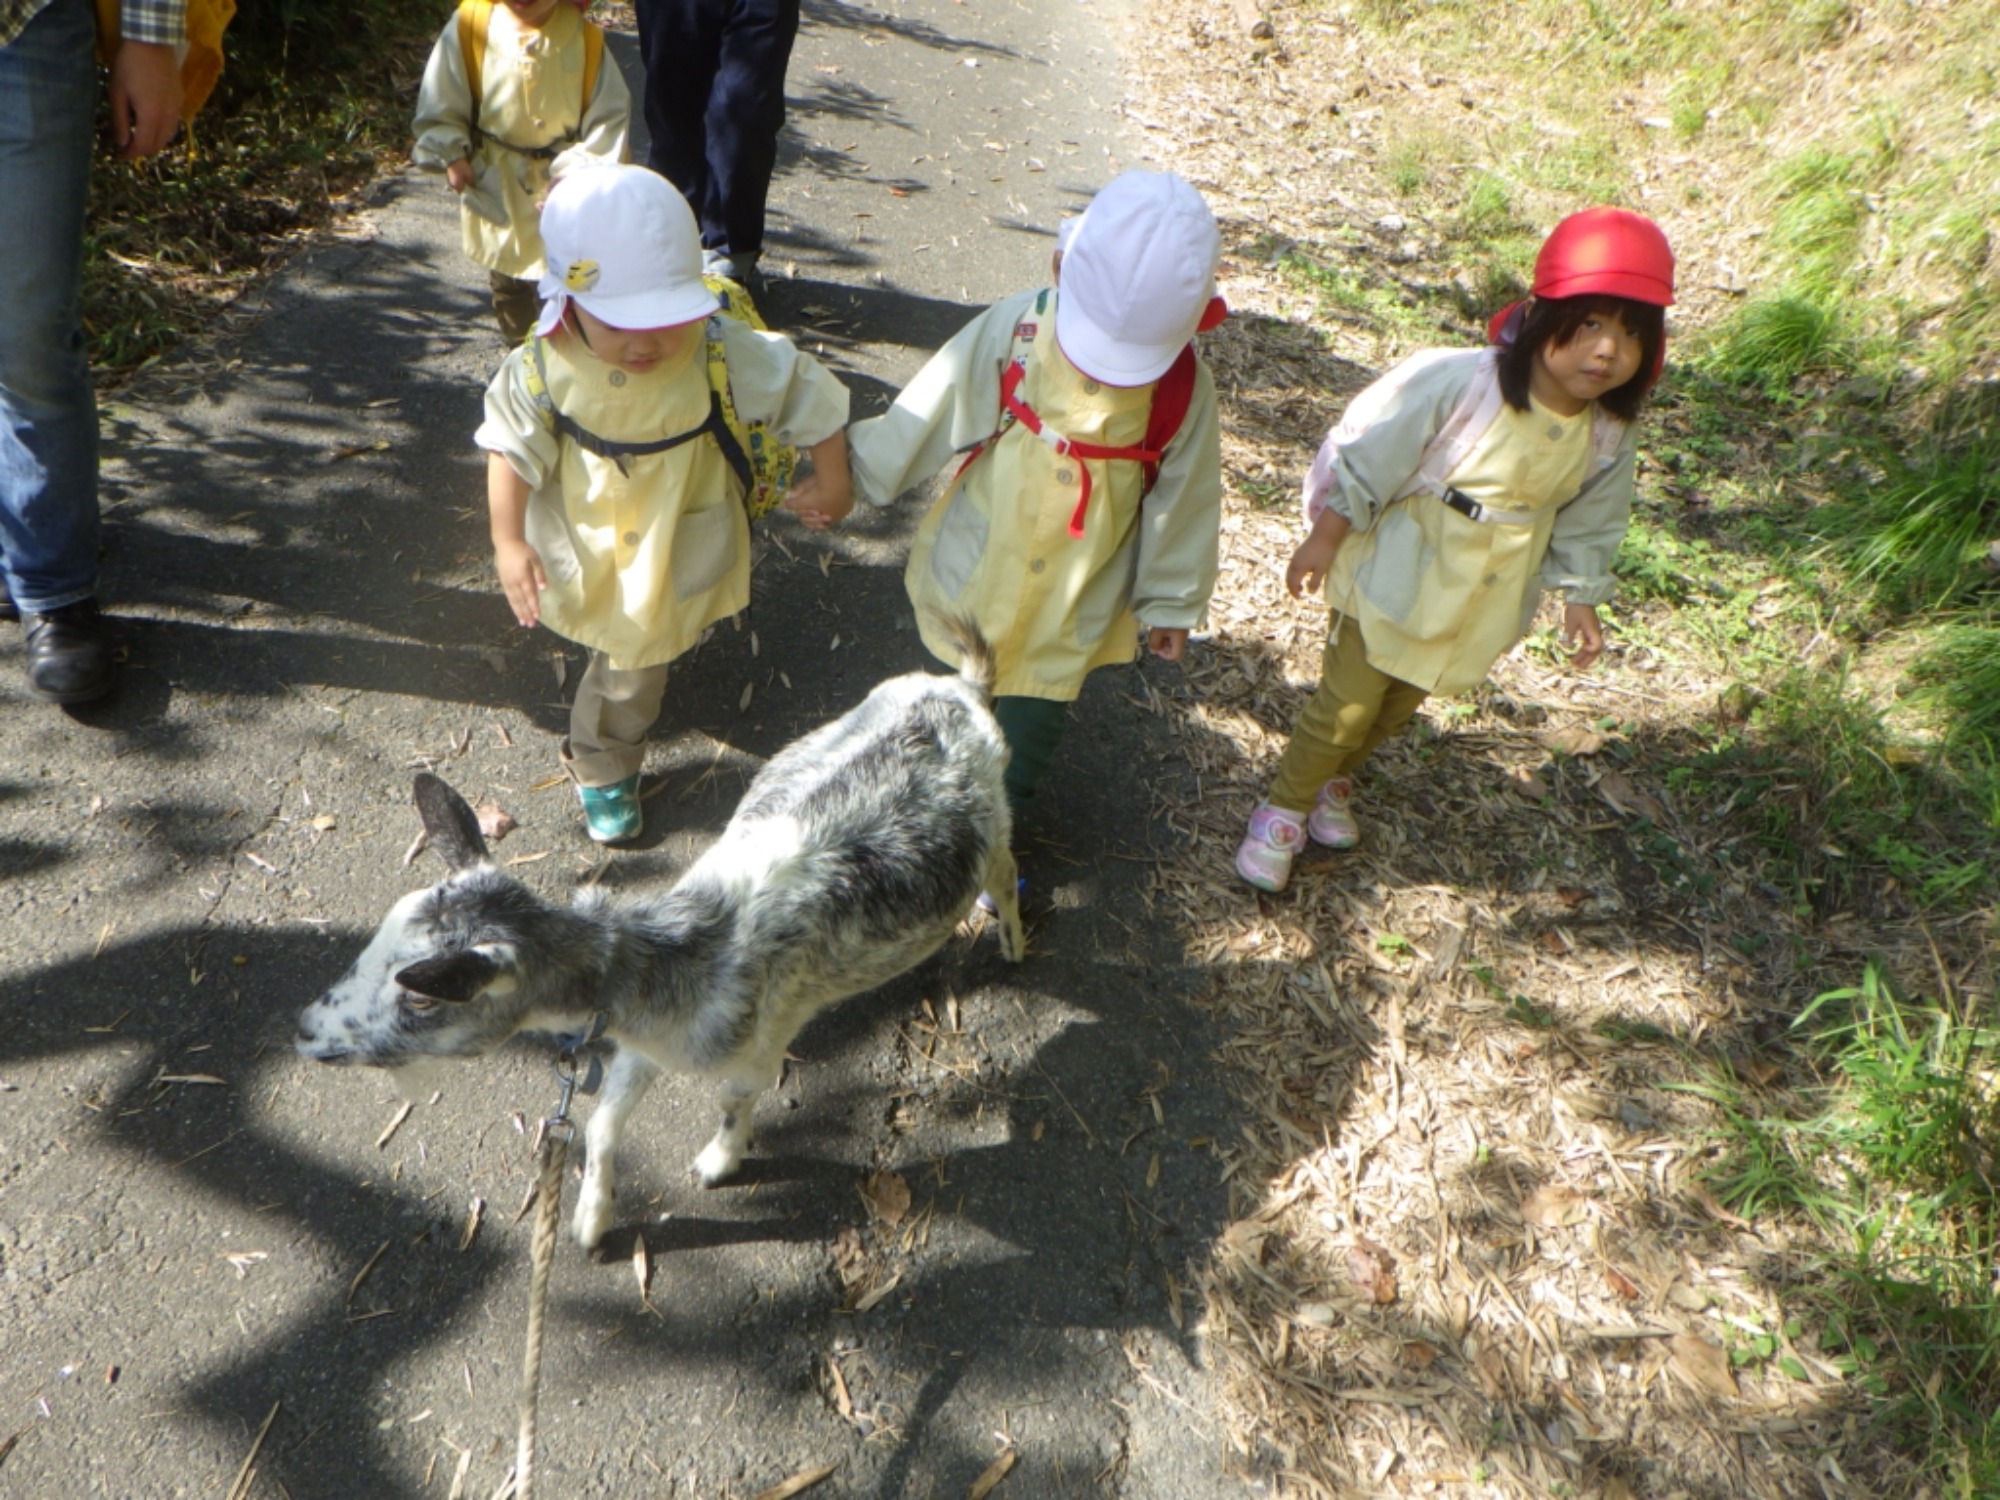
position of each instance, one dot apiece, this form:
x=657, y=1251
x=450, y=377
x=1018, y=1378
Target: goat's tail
x=975, y=657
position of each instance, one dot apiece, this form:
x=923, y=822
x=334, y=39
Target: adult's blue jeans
x=715, y=102
x=48, y=414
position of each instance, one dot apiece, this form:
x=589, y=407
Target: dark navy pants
x=715, y=101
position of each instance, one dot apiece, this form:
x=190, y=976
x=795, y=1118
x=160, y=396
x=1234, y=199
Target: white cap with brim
x=1137, y=274
x=621, y=243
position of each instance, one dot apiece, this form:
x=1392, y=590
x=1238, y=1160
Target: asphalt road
x=198, y=1231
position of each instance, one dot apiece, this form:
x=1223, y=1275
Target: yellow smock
x=1444, y=618
x=531, y=94
x=643, y=556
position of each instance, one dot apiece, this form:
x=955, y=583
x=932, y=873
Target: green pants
x=1033, y=727
x=1353, y=710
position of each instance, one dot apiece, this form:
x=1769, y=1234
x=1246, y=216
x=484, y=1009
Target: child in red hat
x=1454, y=491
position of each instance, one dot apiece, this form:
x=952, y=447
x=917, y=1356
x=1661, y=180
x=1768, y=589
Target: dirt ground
x=1469, y=1249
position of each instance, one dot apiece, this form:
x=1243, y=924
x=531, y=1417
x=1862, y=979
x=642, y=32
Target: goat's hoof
x=591, y=1221
x=1013, y=941
x=716, y=1165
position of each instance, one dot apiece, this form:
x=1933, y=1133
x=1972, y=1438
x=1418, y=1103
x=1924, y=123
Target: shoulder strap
x=593, y=60
x=724, y=404
x=1477, y=406
x=535, y=375
x=474, y=16
x=1171, y=398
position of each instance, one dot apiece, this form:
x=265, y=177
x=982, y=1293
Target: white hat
x=1137, y=274
x=622, y=244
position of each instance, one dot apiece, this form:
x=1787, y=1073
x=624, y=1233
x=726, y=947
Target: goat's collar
x=569, y=1043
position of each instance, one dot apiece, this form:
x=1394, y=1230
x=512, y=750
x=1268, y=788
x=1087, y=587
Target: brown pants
x=516, y=305
x=609, y=720
x=1352, y=711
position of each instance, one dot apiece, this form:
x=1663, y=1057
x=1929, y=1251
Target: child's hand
x=1167, y=642
x=1580, y=625
x=1307, y=569
x=521, y=579
x=459, y=174
x=819, y=502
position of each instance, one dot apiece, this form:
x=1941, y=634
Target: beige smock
x=996, y=547
x=642, y=558
x=1439, y=597
x=531, y=95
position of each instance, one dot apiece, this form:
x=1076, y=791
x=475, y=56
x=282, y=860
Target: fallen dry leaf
x=1703, y=1365
x=798, y=1484
x=1372, y=1269
x=642, y=1269
x=1616, y=788
x=1552, y=1205
x=996, y=1471
x=1490, y=1365
x=1688, y=1298
x=842, y=1402
x=1417, y=1355
x=1527, y=783
x=495, y=822
x=887, y=1196
x=1620, y=1283
x=1572, y=739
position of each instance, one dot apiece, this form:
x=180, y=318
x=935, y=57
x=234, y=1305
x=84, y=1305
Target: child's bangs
x=1566, y=315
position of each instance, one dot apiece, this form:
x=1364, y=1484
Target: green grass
x=1891, y=1153
x=1915, y=537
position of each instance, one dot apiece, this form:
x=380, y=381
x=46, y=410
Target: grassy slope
x=1551, y=1042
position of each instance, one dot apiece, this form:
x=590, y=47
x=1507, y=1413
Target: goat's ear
x=452, y=825
x=458, y=978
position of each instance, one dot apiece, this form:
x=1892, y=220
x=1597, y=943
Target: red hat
x=1603, y=252
x=1609, y=252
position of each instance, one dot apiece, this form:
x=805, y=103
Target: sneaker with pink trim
x=1264, y=858
x=1331, y=823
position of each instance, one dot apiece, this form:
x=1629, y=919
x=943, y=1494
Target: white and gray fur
x=854, y=854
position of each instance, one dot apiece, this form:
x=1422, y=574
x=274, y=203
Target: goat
x=853, y=855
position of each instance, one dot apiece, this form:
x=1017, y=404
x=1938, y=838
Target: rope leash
x=553, y=1155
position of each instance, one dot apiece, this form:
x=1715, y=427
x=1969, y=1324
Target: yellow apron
x=997, y=549
x=643, y=553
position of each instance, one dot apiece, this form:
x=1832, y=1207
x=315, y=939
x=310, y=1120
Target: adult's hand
x=145, y=98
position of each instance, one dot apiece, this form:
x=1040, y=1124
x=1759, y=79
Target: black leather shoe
x=7, y=609
x=69, y=654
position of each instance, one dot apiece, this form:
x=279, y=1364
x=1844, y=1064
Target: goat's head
x=439, y=978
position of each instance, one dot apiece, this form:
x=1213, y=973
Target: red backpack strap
x=1171, y=399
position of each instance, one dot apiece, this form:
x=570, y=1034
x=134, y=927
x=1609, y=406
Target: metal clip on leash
x=557, y=1132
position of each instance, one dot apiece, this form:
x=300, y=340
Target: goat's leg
x=1003, y=886
x=625, y=1084
x=721, y=1157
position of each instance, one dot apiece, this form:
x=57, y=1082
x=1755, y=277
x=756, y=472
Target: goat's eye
x=418, y=1002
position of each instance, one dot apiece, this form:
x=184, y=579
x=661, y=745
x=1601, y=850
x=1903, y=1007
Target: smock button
x=616, y=377
x=1491, y=579
x=631, y=538
x=1036, y=566
x=1555, y=433
x=1064, y=476
x=1090, y=388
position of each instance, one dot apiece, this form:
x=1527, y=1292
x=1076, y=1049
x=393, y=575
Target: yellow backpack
x=475, y=16
x=200, y=67
x=763, y=464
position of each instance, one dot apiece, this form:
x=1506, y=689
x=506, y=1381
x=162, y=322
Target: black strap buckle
x=1464, y=504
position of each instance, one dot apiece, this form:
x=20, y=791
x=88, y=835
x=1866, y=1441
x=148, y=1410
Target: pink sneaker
x=1264, y=858
x=1331, y=823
